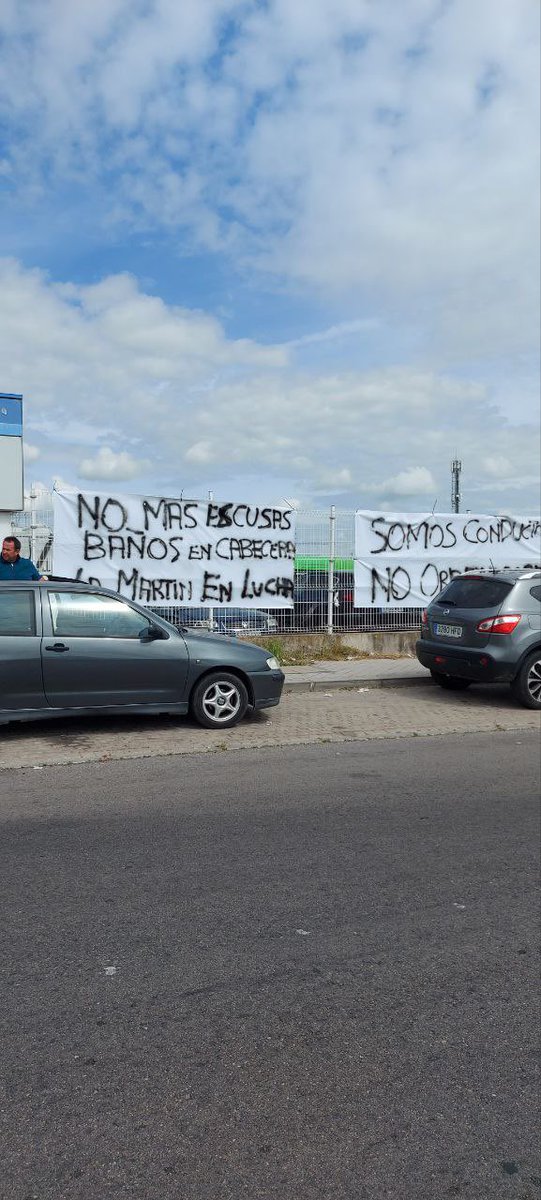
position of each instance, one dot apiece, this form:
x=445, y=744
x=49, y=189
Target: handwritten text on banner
x=194, y=553
x=402, y=560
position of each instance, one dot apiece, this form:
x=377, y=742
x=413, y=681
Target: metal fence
x=324, y=586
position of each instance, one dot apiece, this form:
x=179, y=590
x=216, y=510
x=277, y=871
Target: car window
x=536, y=592
x=17, y=614
x=76, y=614
x=475, y=593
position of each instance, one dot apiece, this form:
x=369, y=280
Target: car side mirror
x=152, y=634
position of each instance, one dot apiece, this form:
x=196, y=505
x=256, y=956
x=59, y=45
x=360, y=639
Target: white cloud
x=338, y=480
x=111, y=465
x=201, y=453
x=380, y=149
x=374, y=164
x=415, y=481
x=497, y=466
x=31, y=453
x=110, y=343
x=336, y=333
x=110, y=367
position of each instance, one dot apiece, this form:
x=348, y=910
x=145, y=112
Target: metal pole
x=330, y=581
x=33, y=522
x=211, y=610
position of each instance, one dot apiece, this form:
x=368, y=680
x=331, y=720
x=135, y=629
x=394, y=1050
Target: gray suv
x=486, y=628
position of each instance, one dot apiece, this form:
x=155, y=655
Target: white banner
x=186, y=552
x=402, y=560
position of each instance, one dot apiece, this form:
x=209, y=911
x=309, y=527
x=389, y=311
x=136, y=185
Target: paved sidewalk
x=316, y=708
x=359, y=672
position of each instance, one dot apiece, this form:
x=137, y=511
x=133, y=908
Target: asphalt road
x=291, y=973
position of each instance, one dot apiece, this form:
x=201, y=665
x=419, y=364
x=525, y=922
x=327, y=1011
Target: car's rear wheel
x=527, y=684
x=451, y=683
x=219, y=700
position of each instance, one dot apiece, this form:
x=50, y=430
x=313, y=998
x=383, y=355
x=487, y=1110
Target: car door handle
x=59, y=648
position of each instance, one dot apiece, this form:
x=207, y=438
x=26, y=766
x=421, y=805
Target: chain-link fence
x=324, y=585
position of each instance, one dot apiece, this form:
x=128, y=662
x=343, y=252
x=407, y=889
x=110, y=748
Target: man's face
x=9, y=553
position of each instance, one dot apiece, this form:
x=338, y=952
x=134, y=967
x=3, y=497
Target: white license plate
x=448, y=630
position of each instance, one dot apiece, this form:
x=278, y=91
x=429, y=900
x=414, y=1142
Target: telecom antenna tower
x=456, y=467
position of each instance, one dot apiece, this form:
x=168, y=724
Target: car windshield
x=475, y=592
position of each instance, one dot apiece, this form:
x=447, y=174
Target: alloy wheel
x=221, y=701
x=533, y=681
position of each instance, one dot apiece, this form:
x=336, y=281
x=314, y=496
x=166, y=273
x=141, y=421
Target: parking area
x=333, y=715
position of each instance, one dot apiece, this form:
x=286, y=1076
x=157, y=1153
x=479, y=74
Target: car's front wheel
x=219, y=700
x=451, y=683
x=527, y=685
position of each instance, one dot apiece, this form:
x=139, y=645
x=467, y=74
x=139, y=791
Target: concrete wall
x=401, y=642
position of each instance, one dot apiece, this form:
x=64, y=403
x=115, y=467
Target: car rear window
x=475, y=593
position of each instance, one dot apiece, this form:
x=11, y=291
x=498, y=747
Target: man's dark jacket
x=22, y=568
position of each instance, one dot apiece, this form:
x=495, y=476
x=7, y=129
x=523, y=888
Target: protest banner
x=403, y=560
x=193, y=553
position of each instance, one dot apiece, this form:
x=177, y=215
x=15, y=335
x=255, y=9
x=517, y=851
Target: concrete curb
x=331, y=685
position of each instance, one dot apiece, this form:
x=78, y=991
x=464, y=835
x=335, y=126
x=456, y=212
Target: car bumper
x=481, y=666
x=267, y=688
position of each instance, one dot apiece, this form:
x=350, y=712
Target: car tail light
x=348, y=597
x=504, y=624
x=424, y=617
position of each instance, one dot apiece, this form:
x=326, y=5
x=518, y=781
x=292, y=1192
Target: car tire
x=219, y=700
x=526, y=687
x=451, y=683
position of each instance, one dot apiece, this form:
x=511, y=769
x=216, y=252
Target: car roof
x=506, y=574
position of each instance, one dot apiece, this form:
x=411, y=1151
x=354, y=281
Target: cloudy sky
x=274, y=249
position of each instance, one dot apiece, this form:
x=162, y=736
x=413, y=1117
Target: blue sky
x=274, y=250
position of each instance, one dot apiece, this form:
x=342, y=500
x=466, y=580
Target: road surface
x=290, y=973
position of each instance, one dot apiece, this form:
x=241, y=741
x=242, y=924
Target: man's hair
x=11, y=538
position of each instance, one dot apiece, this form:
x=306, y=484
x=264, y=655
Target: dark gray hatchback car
x=486, y=628
x=70, y=649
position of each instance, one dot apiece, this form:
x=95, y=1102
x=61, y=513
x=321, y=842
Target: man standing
x=12, y=566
